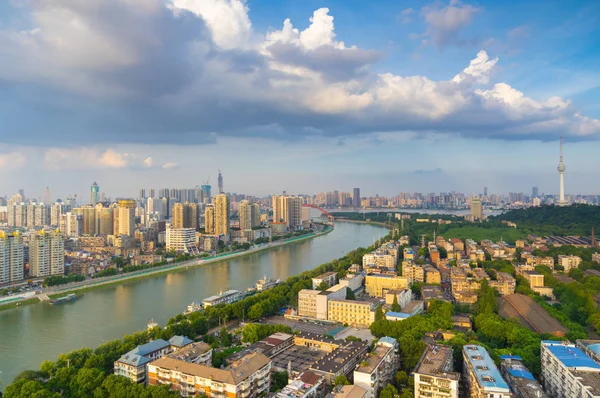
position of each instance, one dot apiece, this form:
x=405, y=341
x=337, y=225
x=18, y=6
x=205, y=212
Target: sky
x=298, y=95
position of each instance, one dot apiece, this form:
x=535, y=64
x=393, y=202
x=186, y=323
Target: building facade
x=181, y=240
x=354, y=313
x=376, y=285
x=222, y=214
x=434, y=375
x=11, y=257
x=379, y=367
x=46, y=253
x=482, y=377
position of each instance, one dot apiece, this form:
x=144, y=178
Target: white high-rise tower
x=561, y=171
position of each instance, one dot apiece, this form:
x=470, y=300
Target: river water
x=38, y=332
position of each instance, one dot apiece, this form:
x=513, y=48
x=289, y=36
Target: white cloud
x=85, y=158
x=405, y=15
x=479, y=69
x=148, y=162
x=444, y=23
x=169, y=166
x=12, y=160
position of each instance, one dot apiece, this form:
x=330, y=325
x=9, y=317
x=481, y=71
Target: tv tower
x=220, y=182
x=561, y=171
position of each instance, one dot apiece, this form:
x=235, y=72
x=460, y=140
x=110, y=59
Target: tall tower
x=94, y=194
x=561, y=171
x=220, y=181
x=222, y=213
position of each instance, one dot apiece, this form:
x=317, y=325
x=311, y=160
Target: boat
x=152, y=324
x=64, y=299
x=193, y=307
x=228, y=297
x=266, y=283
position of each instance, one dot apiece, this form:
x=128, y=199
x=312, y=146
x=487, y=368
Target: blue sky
x=389, y=95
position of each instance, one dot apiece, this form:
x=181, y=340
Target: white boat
x=152, y=324
x=193, y=307
x=266, y=283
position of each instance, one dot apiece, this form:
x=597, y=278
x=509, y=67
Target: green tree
x=341, y=380
x=323, y=286
x=350, y=294
x=401, y=379
x=280, y=380
x=379, y=316
x=389, y=391
x=395, y=306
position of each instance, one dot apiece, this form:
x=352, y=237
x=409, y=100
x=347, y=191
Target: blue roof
x=516, y=369
x=180, y=341
x=569, y=355
x=388, y=340
x=595, y=348
x=402, y=315
x=479, y=357
x=134, y=359
x=152, y=346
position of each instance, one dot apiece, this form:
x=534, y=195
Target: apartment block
x=404, y=296
x=432, y=275
x=412, y=271
x=379, y=367
x=11, y=257
x=505, y=283
x=46, y=253
x=181, y=240
x=569, y=262
x=380, y=259
x=567, y=372
x=246, y=377
x=350, y=391
x=376, y=285
x=134, y=364
x=329, y=277
x=434, y=375
x=519, y=379
x=313, y=303
x=482, y=377
x=340, y=361
x=351, y=312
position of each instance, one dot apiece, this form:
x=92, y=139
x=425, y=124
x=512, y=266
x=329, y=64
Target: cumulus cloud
x=12, y=160
x=406, y=15
x=191, y=71
x=169, y=166
x=445, y=22
x=97, y=158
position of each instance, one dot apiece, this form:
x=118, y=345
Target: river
x=38, y=332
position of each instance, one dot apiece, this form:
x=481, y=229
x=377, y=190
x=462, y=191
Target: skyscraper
x=356, y=198
x=46, y=253
x=222, y=213
x=209, y=219
x=142, y=193
x=47, y=197
x=485, y=191
x=249, y=215
x=220, y=182
x=94, y=194
x=561, y=171
x=11, y=257
x=185, y=215
x=206, y=196
x=476, y=209
x=105, y=222
x=287, y=209
x=124, y=217
x=534, y=192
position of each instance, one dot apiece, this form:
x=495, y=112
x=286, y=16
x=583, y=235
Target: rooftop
x=520, y=378
x=570, y=355
x=191, y=351
x=412, y=306
x=401, y=315
x=336, y=359
x=180, y=341
x=237, y=372
x=436, y=361
x=325, y=275
x=372, y=361
x=485, y=370
x=589, y=379
x=348, y=392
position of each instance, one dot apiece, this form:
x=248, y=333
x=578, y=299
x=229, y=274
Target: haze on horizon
x=302, y=96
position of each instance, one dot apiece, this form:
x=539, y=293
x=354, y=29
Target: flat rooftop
x=590, y=379
x=520, y=378
x=300, y=358
x=336, y=359
x=485, y=370
x=570, y=355
x=373, y=360
x=436, y=361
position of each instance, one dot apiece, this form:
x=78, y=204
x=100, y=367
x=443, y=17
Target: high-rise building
x=534, y=192
x=151, y=194
x=88, y=213
x=38, y=215
x=356, y=198
x=222, y=213
x=476, y=209
x=11, y=257
x=185, y=215
x=47, y=197
x=209, y=219
x=142, y=194
x=561, y=172
x=287, y=209
x=249, y=215
x=71, y=224
x=485, y=191
x=56, y=210
x=434, y=375
x=94, y=194
x=46, y=253
x=206, y=195
x=105, y=222
x=220, y=182
x=124, y=217
x=482, y=377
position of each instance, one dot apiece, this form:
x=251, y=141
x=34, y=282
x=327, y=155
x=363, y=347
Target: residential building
x=287, y=209
x=434, y=375
x=249, y=215
x=307, y=385
x=350, y=391
x=353, y=282
x=124, y=217
x=94, y=194
x=414, y=307
x=568, y=262
x=354, y=313
x=71, y=224
x=340, y=361
x=429, y=293
x=46, y=253
x=519, y=379
x=403, y=296
x=313, y=303
x=379, y=367
x=88, y=215
x=249, y=376
x=209, y=220
x=591, y=348
x=376, y=285
x=482, y=377
x=432, y=275
x=11, y=257
x=356, y=197
x=330, y=278
x=596, y=257
x=567, y=372
x=412, y=271
x=105, y=222
x=199, y=353
x=181, y=240
x=307, y=303
x=185, y=215
x=505, y=283
x=222, y=214
x=476, y=209
x=379, y=259
x=408, y=254
x=134, y=364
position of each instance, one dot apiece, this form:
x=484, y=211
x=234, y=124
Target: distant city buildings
x=11, y=257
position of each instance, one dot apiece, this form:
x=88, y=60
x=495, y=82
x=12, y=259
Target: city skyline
x=445, y=96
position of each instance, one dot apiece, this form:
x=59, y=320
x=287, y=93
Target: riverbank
x=87, y=285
